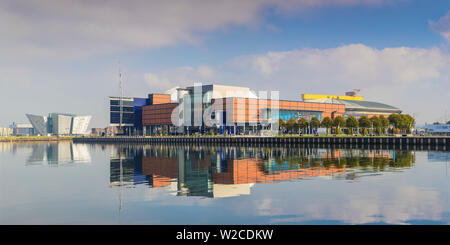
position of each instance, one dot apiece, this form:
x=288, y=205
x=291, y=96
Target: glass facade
x=296, y=114
x=127, y=111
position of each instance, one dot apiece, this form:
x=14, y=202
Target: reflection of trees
x=282, y=158
x=397, y=159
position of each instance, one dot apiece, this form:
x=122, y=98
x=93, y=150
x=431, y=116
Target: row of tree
x=437, y=123
x=379, y=125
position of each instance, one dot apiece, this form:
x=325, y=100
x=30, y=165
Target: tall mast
x=121, y=98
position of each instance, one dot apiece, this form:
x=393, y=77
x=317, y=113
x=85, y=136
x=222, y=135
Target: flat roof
x=358, y=105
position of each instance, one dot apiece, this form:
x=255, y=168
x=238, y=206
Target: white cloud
x=181, y=76
x=413, y=79
x=361, y=204
x=442, y=26
x=352, y=64
x=74, y=29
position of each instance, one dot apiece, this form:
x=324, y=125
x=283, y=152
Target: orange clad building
x=238, y=109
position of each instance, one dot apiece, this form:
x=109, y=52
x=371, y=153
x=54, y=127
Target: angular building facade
x=59, y=124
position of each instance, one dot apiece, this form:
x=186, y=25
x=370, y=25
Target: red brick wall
x=159, y=114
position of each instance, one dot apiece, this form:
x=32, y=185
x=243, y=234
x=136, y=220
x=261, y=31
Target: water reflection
x=50, y=153
x=217, y=172
x=163, y=184
x=438, y=156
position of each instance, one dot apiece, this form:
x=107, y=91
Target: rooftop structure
x=323, y=96
x=354, y=105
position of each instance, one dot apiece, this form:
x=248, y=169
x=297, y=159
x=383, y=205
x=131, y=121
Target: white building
x=438, y=129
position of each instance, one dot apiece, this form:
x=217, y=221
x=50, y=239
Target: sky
x=64, y=56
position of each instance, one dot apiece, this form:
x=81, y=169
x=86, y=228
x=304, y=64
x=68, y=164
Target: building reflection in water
x=439, y=156
x=57, y=153
x=216, y=172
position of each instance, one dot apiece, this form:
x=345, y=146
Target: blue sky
x=63, y=56
x=403, y=24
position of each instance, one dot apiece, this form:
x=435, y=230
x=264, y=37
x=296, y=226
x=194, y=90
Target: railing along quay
x=397, y=141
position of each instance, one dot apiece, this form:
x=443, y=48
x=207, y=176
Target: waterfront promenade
x=34, y=138
x=442, y=141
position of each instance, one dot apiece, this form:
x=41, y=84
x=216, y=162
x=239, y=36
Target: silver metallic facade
x=60, y=124
x=39, y=123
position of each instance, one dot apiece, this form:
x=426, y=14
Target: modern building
x=59, y=124
x=22, y=129
x=230, y=109
x=438, y=129
x=126, y=114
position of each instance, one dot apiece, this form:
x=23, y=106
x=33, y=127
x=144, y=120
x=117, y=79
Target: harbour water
x=77, y=183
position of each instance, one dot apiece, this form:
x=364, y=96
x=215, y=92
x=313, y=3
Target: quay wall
x=34, y=138
x=397, y=141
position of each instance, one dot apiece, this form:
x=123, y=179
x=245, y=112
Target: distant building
x=22, y=129
x=98, y=131
x=438, y=129
x=59, y=124
x=5, y=132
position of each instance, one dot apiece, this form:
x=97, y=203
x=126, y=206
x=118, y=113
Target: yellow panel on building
x=323, y=96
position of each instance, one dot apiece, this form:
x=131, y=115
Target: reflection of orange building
x=252, y=171
x=332, y=154
x=387, y=154
x=335, y=154
x=243, y=171
x=161, y=169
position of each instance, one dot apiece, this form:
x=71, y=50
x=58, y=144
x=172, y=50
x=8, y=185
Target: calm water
x=65, y=183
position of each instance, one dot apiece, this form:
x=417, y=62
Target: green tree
x=376, y=124
x=296, y=126
x=407, y=122
x=302, y=124
x=314, y=123
x=282, y=124
x=290, y=124
x=326, y=123
x=384, y=123
x=395, y=120
x=364, y=123
x=351, y=124
x=339, y=122
x=448, y=122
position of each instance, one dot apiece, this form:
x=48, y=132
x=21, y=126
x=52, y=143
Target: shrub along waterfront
x=375, y=126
